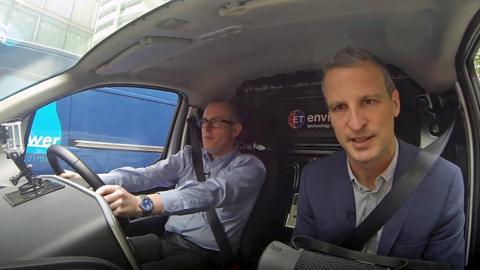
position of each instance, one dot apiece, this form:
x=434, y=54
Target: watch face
x=146, y=204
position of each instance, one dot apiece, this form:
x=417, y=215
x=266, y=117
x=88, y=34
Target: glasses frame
x=204, y=121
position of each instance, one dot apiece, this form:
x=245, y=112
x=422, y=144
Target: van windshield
x=41, y=38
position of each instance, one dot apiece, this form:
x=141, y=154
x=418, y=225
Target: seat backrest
x=267, y=122
x=261, y=225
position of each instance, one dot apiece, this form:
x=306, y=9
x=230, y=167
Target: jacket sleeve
x=447, y=241
x=305, y=225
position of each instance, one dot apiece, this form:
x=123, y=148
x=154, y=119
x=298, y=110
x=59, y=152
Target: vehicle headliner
x=206, y=49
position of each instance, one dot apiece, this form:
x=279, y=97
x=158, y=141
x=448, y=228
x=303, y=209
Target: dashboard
x=62, y=220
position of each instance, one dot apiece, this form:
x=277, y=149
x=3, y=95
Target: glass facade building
x=62, y=24
x=113, y=14
x=71, y=25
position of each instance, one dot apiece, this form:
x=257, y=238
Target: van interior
x=265, y=57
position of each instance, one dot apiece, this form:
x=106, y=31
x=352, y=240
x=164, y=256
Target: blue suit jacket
x=429, y=226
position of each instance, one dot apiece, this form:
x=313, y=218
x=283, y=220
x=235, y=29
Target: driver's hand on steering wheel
x=122, y=203
x=70, y=175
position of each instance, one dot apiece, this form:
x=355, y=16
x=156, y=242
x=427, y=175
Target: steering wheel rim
x=56, y=151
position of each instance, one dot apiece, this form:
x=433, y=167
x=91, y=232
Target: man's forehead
x=366, y=93
x=345, y=82
x=218, y=109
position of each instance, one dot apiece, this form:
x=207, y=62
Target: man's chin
x=364, y=156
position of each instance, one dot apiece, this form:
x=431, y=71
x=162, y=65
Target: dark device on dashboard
x=12, y=143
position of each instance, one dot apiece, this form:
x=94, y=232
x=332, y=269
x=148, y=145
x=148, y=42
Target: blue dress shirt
x=232, y=186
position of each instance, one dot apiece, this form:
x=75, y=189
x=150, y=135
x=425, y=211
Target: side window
x=106, y=127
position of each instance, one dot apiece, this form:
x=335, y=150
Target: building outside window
x=71, y=25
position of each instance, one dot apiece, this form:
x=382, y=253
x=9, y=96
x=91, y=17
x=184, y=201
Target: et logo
x=296, y=119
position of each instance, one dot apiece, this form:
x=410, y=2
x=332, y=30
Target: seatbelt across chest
x=215, y=224
x=407, y=183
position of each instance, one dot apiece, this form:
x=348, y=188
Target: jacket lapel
x=393, y=227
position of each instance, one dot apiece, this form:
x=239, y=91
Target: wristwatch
x=146, y=205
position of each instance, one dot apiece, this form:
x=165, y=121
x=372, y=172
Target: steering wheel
x=56, y=151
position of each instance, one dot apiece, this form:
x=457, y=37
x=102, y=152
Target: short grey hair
x=233, y=107
x=353, y=56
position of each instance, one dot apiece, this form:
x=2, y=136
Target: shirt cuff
x=171, y=201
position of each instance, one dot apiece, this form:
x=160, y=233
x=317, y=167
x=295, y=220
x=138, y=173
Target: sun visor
x=146, y=50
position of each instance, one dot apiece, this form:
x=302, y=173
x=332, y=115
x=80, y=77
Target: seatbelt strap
x=407, y=183
x=197, y=160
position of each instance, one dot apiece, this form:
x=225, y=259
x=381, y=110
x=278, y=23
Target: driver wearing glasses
x=232, y=186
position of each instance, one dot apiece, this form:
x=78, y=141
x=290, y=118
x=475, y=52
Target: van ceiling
x=208, y=48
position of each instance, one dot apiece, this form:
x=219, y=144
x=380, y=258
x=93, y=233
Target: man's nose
x=356, y=119
x=206, y=127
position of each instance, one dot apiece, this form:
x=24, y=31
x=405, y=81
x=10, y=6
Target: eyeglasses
x=213, y=123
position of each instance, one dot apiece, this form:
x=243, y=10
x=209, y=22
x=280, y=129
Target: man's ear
x=237, y=129
x=396, y=102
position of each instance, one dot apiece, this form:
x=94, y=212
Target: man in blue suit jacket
x=338, y=192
